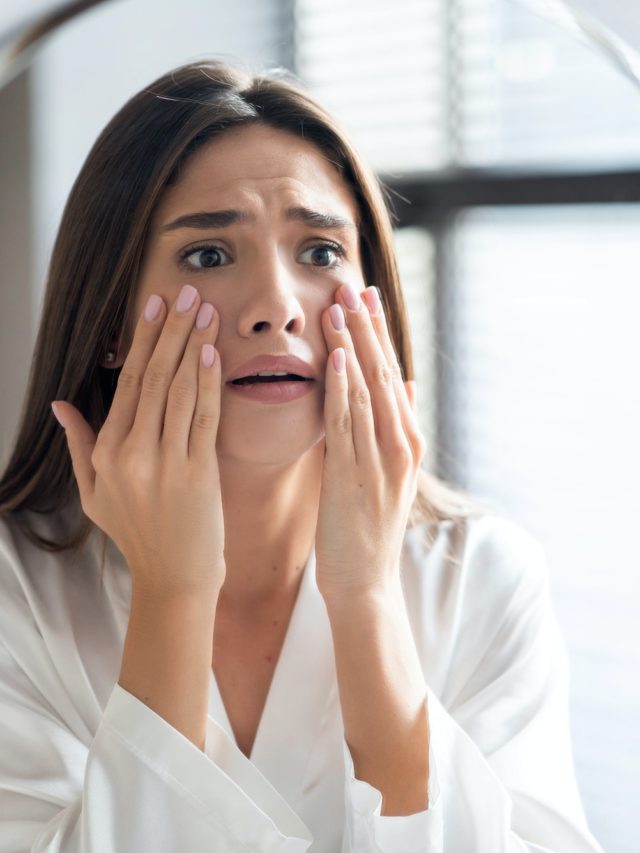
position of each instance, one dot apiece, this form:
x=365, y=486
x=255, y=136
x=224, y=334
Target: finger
x=350, y=412
x=122, y=413
x=81, y=440
x=339, y=448
x=204, y=429
x=163, y=365
x=408, y=412
x=182, y=401
x=376, y=370
x=410, y=386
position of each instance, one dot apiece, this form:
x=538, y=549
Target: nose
x=272, y=301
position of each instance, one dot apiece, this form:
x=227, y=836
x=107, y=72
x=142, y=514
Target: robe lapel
x=299, y=693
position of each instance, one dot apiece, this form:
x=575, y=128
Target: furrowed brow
x=207, y=219
x=320, y=220
x=224, y=218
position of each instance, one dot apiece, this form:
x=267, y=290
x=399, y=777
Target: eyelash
x=203, y=247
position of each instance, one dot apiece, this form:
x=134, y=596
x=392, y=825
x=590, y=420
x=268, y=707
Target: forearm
x=382, y=695
x=166, y=662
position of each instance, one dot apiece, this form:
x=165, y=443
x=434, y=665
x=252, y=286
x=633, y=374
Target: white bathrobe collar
x=289, y=726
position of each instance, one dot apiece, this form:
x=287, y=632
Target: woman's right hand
x=150, y=478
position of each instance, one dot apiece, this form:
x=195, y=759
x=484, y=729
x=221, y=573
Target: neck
x=270, y=516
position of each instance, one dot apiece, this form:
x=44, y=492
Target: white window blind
x=380, y=68
x=538, y=401
x=476, y=83
x=542, y=414
x=530, y=94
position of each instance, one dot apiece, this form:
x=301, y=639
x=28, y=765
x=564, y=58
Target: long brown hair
x=94, y=267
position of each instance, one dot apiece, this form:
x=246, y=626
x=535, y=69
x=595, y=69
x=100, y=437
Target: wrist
x=161, y=598
x=364, y=598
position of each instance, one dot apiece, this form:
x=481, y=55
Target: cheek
x=356, y=278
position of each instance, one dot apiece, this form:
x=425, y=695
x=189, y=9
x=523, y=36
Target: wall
x=52, y=114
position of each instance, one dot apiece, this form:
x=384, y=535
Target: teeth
x=272, y=373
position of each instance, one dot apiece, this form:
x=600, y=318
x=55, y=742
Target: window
x=516, y=145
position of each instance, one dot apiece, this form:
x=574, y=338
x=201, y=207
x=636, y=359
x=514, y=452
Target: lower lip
x=273, y=392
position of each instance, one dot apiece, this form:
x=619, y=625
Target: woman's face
x=270, y=272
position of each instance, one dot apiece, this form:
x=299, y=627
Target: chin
x=257, y=445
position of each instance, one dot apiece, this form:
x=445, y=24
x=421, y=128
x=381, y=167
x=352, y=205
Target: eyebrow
x=224, y=218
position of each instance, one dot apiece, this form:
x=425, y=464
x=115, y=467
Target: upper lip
x=290, y=363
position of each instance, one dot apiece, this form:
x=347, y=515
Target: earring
x=110, y=356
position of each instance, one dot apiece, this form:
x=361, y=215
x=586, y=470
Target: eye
x=206, y=257
x=324, y=254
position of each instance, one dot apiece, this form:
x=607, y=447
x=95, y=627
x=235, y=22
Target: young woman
x=237, y=613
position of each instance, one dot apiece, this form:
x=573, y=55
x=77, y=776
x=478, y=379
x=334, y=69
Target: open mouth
x=255, y=380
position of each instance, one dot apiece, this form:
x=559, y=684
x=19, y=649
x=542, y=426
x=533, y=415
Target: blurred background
x=512, y=150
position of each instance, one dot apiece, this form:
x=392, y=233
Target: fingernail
x=351, y=298
x=204, y=315
x=207, y=355
x=337, y=317
x=372, y=299
x=186, y=298
x=339, y=360
x=152, y=309
x=57, y=415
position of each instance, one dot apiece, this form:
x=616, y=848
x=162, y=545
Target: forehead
x=258, y=167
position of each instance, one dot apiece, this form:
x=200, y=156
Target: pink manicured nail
x=337, y=317
x=207, y=355
x=351, y=298
x=204, y=315
x=186, y=298
x=372, y=299
x=339, y=360
x=152, y=309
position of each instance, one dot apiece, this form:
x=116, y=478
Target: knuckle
x=402, y=455
x=359, y=397
x=382, y=374
x=204, y=421
x=156, y=378
x=183, y=394
x=98, y=455
x=129, y=379
x=341, y=423
x=396, y=372
x=136, y=467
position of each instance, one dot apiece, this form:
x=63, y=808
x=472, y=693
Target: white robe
x=86, y=767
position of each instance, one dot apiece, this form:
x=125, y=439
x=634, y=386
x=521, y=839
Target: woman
x=300, y=640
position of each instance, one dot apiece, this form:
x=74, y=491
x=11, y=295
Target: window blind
x=533, y=312
x=381, y=69
x=541, y=416
x=530, y=94
x=475, y=83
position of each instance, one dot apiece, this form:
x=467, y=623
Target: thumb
x=81, y=440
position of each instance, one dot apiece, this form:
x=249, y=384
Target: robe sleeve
x=500, y=755
x=138, y=785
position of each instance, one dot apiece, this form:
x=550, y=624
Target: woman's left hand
x=374, y=449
